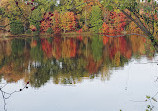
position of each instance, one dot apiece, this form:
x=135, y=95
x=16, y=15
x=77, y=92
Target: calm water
x=78, y=74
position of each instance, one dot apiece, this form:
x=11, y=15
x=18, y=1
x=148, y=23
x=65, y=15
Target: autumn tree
x=68, y=21
x=142, y=20
x=28, y=12
x=56, y=22
x=114, y=23
x=17, y=10
x=46, y=22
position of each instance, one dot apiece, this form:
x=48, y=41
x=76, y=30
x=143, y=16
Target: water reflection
x=67, y=60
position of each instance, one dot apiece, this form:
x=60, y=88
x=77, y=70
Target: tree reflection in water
x=68, y=60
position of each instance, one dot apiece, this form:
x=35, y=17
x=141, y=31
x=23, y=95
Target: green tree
x=16, y=27
x=35, y=18
x=96, y=19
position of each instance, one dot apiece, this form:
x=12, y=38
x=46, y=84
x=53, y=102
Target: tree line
x=67, y=60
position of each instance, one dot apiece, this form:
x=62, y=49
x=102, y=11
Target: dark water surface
x=78, y=74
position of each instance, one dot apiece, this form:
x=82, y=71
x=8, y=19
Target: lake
x=83, y=73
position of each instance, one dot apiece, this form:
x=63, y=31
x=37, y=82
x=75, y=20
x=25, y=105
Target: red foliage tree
x=115, y=24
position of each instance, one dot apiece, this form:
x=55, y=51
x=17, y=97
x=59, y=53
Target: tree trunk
x=143, y=28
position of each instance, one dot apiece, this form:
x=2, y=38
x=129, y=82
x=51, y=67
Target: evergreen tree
x=96, y=19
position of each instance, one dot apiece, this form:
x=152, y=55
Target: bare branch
x=6, y=95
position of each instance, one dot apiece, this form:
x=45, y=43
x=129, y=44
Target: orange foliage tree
x=56, y=22
x=68, y=21
x=46, y=22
